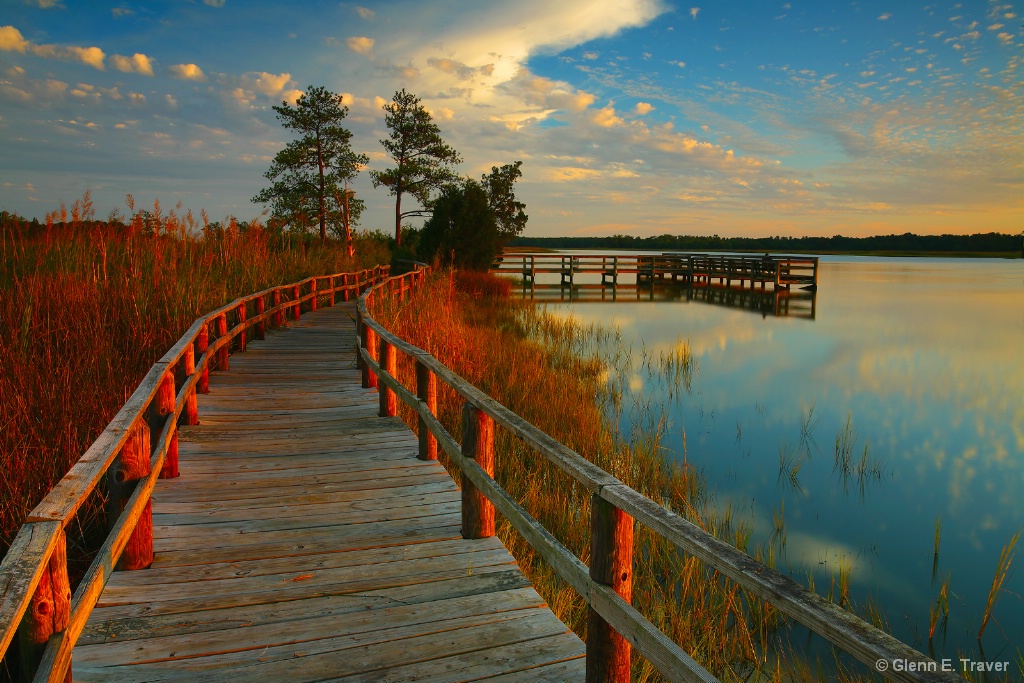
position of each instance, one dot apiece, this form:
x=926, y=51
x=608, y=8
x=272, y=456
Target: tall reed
x=568, y=380
x=87, y=306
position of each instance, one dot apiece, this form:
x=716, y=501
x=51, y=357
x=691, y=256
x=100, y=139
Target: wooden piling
x=187, y=368
x=296, y=312
x=165, y=400
x=202, y=345
x=132, y=464
x=49, y=612
x=242, y=337
x=477, y=444
x=387, y=359
x=611, y=563
x=312, y=290
x=426, y=391
x=222, y=352
x=370, y=344
x=278, y=317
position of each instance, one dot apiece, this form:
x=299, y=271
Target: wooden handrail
x=618, y=503
x=33, y=574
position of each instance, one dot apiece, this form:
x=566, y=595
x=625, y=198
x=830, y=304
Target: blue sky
x=639, y=116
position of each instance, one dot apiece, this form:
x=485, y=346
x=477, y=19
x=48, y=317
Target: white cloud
x=137, y=63
x=885, y=17
x=187, y=72
x=11, y=40
x=93, y=56
x=366, y=13
x=214, y=3
x=47, y=4
x=606, y=117
x=360, y=44
x=265, y=83
x=644, y=108
x=694, y=11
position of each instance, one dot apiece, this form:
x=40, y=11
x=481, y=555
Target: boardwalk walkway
x=304, y=541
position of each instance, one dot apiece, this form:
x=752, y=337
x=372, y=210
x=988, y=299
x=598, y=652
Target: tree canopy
x=423, y=161
x=463, y=228
x=500, y=186
x=310, y=175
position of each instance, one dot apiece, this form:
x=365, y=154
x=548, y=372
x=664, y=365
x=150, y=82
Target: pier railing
x=139, y=446
x=614, y=625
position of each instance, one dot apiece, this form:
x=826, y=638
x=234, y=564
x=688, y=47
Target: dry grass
x=87, y=306
x=566, y=379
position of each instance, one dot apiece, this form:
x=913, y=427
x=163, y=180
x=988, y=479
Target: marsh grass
x=574, y=382
x=92, y=304
x=1003, y=567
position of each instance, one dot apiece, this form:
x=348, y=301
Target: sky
x=642, y=117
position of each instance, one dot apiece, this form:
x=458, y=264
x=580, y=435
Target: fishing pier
x=725, y=270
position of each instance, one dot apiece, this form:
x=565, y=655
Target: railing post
x=478, y=445
x=165, y=399
x=277, y=318
x=387, y=360
x=222, y=352
x=202, y=344
x=426, y=391
x=333, y=299
x=370, y=344
x=312, y=290
x=611, y=563
x=344, y=282
x=295, y=307
x=242, y=334
x=261, y=326
x=49, y=612
x=132, y=465
x=187, y=368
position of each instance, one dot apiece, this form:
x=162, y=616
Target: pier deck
x=305, y=541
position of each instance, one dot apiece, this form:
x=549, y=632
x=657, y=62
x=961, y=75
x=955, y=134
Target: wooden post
x=370, y=344
x=132, y=464
x=477, y=444
x=203, y=343
x=344, y=292
x=49, y=612
x=187, y=368
x=426, y=390
x=295, y=307
x=277, y=317
x=611, y=563
x=165, y=399
x=261, y=326
x=332, y=299
x=387, y=360
x=312, y=289
x=242, y=337
x=222, y=331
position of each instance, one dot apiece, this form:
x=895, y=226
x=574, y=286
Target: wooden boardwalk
x=305, y=541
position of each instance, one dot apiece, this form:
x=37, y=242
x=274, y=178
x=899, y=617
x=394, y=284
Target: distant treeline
x=991, y=242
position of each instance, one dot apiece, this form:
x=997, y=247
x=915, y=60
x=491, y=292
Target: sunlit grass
x=91, y=305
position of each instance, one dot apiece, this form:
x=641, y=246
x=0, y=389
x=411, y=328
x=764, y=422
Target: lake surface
x=920, y=361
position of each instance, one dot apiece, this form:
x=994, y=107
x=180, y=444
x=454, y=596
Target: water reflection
x=915, y=372
x=796, y=303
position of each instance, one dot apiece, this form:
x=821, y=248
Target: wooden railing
x=138, y=446
x=614, y=625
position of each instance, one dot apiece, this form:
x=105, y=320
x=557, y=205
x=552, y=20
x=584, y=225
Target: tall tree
x=310, y=174
x=423, y=161
x=501, y=195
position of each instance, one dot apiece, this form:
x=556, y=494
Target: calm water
x=925, y=358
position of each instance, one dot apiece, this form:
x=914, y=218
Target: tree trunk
x=398, y=219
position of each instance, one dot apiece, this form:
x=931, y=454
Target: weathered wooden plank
x=20, y=573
